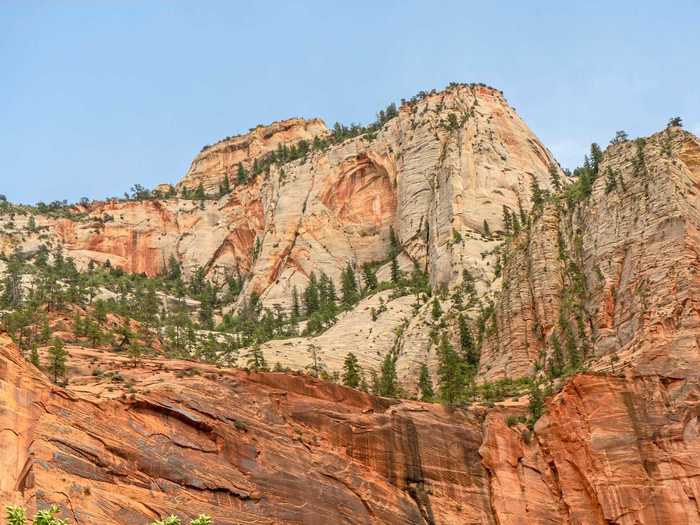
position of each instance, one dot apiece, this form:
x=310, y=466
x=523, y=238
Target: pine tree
x=315, y=366
x=199, y=193
x=452, y=373
x=34, y=356
x=487, y=229
x=311, y=297
x=507, y=220
x=174, y=270
x=351, y=371
x=394, y=245
x=556, y=362
x=256, y=359
x=225, y=186
x=425, y=385
x=370, y=277
x=521, y=211
x=327, y=294
x=150, y=304
x=100, y=311
x=536, y=403
x=11, y=287
x=93, y=332
x=349, y=290
x=388, y=382
x=57, y=359
x=296, y=310
x=596, y=158
x=469, y=349
x=554, y=177
x=515, y=223
x=331, y=299
x=241, y=177
x=436, y=310
x=537, y=194
x=620, y=137
x=78, y=325
x=675, y=122
x=395, y=271
x=610, y=180
x=394, y=250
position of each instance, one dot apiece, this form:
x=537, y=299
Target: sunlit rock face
x=634, y=246
x=184, y=438
x=436, y=173
x=612, y=276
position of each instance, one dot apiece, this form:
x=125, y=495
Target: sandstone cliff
x=449, y=162
x=216, y=161
x=618, y=268
x=439, y=173
x=594, y=295
x=132, y=440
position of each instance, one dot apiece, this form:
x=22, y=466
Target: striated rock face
x=141, y=236
x=631, y=251
x=609, y=450
x=130, y=441
x=434, y=183
x=215, y=162
x=170, y=436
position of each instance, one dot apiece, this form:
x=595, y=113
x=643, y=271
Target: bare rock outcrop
x=216, y=161
x=438, y=173
x=130, y=441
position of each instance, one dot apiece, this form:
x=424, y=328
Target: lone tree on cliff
x=351, y=371
x=349, y=290
x=675, y=122
x=241, y=177
x=388, y=382
x=57, y=359
x=425, y=385
x=256, y=359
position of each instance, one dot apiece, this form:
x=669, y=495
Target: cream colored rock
x=440, y=170
x=215, y=162
x=634, y=243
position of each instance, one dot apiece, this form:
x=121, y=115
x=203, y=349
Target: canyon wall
x=607, y=273
x=436, y=173
x=630, y=251
x=129, y=441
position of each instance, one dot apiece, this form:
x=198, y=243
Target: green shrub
x=17, y=516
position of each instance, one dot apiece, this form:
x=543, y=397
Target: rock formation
x=436, y=173
x=631, y=248
x=131, y=441
x=586, y=293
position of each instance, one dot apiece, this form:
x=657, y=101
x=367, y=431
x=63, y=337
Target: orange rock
x=136, y=440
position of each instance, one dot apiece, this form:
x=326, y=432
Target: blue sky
x=97, y=96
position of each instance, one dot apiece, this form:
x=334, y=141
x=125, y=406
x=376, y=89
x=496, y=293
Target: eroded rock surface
x=129, y=441
x=630, y=255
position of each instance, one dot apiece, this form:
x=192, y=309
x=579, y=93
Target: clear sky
x=97, y=96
